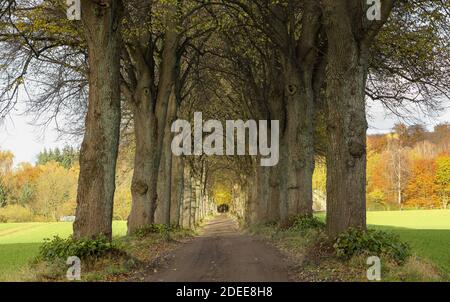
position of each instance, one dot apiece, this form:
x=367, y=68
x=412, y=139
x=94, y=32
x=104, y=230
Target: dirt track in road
x=221, y=253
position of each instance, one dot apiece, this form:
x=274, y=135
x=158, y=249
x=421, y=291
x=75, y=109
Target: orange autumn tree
x=421, y=189
x=442, y=179
x=377, y=182
x=6, y=162
x=22, y=184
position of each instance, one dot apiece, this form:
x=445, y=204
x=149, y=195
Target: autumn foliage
x=409, y=168
x=46, y=191
x=38, y=192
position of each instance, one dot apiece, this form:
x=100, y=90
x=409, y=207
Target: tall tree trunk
x=297, y=151
x=345, y=94
x=144, y=201
x=350, y=35
x=185, y=221
x=165, y=196
x=143, y=189
x=177, y=198
x=277, y=112
x=98, y=154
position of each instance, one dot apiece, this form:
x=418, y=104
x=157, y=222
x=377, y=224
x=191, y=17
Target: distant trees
x=55, y=191
x=222, y=194
x=397, y=164
x=442, y=179
x=408, y=136
x=22, y=184
x=410, y=170
x=421, y=188
x=3, y=194
x=67, y=157
x=6, y=162
x=47, y=191
x=43, y=192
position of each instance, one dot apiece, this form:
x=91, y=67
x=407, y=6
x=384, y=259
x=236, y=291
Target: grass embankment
x=20, y=243
x=426, y=231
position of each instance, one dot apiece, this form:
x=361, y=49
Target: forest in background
x=408, y=168
x=46, y=191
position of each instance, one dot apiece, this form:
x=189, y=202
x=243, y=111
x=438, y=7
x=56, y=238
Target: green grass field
x=427, y=231
x=19, y=242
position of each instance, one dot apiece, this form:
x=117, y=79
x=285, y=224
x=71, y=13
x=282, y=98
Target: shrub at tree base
x=59, y=248
x=305, y=223
x=161, y=229
x=376, y=243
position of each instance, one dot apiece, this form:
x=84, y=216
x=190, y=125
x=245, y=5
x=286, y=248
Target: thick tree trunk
x=346, y=155
x=277, y=112
x=145, y=185
x=98, y=155
x=298, y=57
x=297, y=151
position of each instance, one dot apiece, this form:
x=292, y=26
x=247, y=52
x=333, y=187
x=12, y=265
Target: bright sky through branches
x=26, y=140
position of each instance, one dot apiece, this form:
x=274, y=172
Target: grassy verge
x=15, y=256
x=316, y=260
x=20, y=243
x=427, y=231
x=140, y=252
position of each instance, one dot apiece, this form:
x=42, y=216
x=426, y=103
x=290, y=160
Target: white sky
x=26, y=141
x=382, y=121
